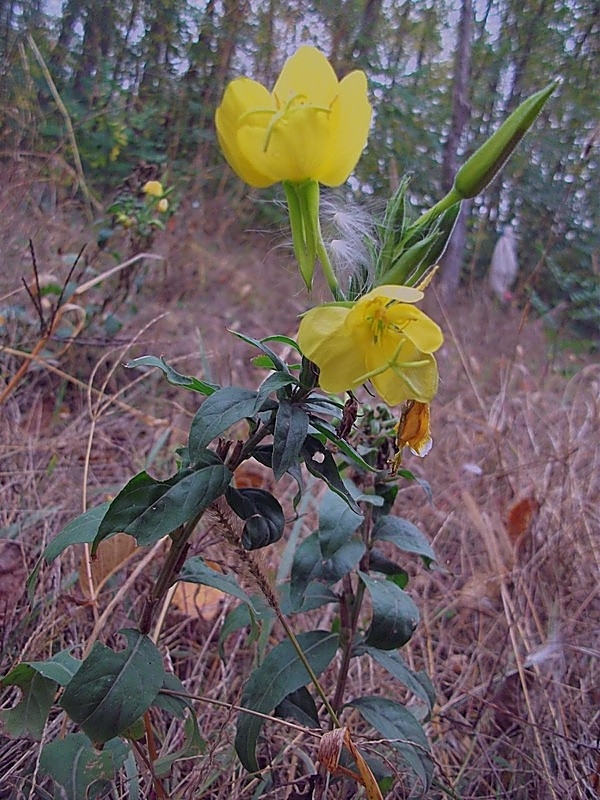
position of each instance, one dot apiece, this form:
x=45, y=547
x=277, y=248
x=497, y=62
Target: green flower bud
x=479, y=170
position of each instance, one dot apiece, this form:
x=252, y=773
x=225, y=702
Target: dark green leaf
x=148, y=509
x=314, y=595
x=112, y=689
x=280, y=673
x=395, y=616
x=395, y=665
x=275, y=382
x=404, y=535
x=196, y=570
x=300, y=706
x=277, y=362
x=320, y=463
x=401, y=730
x=291, y=427
x=310, y=564
x=75, y=765
x=330, y=433
x=343, y=560
x=217, y=413
x=306, y=567
x=29, y=716
x=263, y=515
x=173, y=377
x=242, y=617
x=60, y=668
x=337, y=523
x=324, y=405
x=83, y=529
x=381, y=563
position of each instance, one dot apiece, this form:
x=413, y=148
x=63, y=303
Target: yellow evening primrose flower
x=153, y=188
x=380, y=338
x=311, y=126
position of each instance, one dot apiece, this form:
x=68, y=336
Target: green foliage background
x=142, y=78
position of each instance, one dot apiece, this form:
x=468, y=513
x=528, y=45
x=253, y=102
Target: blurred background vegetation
x=140, y=80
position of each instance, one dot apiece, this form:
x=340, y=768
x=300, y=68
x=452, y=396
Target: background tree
x=141, y=80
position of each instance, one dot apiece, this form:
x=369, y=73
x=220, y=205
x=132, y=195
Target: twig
x=89, y=200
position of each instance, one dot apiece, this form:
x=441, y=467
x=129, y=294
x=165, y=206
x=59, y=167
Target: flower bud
x=162, y=205
x=479, y=170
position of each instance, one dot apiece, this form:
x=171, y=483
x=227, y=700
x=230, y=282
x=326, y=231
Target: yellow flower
x=153, y=188
x=381, y=337
x=162, y=205
x=311, y=126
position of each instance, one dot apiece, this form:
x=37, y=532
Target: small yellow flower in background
x=311, y=126
x=153, y=188
x=381, y=337
x=162, y=205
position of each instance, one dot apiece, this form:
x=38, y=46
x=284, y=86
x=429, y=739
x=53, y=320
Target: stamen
x=294, y=103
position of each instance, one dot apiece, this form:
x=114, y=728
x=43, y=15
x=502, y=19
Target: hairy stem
x=231, y=534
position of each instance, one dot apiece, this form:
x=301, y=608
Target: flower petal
x=242, y=96
x=308, y=73
x=422, y=331
x=406, y=382
x=405, y=294
x=296, y=145
x=325, y=339
x=350, y=121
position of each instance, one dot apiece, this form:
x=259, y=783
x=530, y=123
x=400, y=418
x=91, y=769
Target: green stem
x=310, y=197
x=296, y=645
x=297, y=226
x=450, y=199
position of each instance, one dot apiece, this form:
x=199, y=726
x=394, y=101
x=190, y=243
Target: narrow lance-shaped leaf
x=82, y=530
x=418, y=683
x=196, y=570
x=291, y=427
x=320, y=463
x=401, y=730
x=404, y=535
x=217, y=413
x=173, y=377
x=395, y=616
x=281, y=673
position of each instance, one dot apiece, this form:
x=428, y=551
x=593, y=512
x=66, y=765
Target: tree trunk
x=453, y=259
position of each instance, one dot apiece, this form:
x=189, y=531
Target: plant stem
x=442, y=205
x=296, y=645
x=231, y=534
x=169, y=571
x=350, y=608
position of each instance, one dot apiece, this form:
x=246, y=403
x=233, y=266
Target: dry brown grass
x=509, y=629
